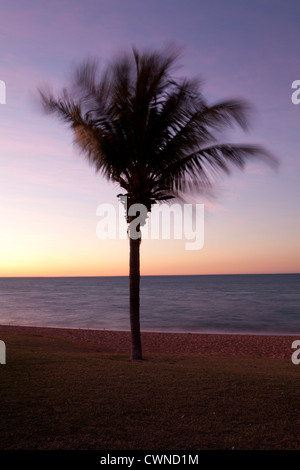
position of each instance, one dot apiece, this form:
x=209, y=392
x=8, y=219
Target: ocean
x=249, y=303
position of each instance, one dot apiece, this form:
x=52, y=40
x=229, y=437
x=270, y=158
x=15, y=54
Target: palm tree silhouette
x=154, y=135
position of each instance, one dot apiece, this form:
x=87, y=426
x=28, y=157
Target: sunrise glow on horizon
x=49, y=194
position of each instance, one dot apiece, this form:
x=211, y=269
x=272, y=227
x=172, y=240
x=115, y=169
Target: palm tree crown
x=149, y=133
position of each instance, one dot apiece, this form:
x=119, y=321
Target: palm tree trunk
x=134, y=298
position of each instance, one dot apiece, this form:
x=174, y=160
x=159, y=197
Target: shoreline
x=274, y=346
x=177, y=332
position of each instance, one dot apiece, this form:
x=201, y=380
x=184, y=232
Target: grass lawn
x=62, y=394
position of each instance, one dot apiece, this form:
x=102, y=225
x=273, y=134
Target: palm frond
x=202, y=166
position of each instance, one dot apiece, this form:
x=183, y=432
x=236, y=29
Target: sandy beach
x=192, y=392
x=185, y=344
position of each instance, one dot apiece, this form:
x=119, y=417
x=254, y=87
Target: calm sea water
x=219, y=303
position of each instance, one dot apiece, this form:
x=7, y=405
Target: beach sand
x=183, y=344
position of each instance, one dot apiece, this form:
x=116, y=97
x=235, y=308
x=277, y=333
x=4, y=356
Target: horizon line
x=154, y=275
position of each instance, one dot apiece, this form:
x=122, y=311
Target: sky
x=49, y=195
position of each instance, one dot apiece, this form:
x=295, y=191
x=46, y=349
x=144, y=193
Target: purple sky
x=49, y=195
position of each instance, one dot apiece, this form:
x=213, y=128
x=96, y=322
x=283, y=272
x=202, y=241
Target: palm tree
x=154, y=135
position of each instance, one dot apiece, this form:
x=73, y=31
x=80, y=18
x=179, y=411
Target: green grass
x=58, y=394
